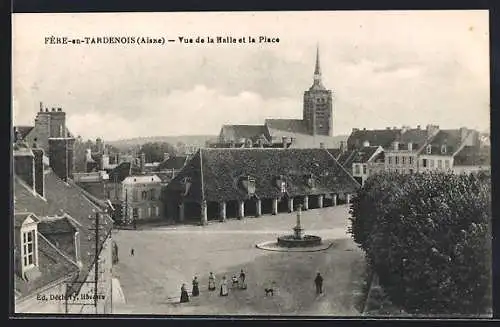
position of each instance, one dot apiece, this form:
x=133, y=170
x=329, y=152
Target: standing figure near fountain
x=243, y=284
x=223, y=287
x=319, y=283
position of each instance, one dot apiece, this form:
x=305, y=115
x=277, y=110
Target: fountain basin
x=291, y=241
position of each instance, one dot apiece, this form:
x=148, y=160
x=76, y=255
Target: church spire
x=317, y=71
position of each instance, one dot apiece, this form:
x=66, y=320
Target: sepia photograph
x=288, y=163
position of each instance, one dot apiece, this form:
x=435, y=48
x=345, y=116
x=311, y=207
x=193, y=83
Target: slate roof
x=53, y=266
x=176, y=162
x=68, y=198
x=237, y=132
x=24, y=130
x=450, y=137
x=382, y=137
x=418, y=138
x=122, y=171
x=215, y=173
x=364, y=154
x=473, y=156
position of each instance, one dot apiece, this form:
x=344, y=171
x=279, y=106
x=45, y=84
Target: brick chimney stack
x=61, y=156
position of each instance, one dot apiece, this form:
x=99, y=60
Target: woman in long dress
x=223, y=287
x=196, y=289
x=184, y=294
x=211, y=282
x=243, y=284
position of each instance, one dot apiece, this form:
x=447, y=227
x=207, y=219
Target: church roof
x=239, y=132
x=283, y=127
x=214, y=174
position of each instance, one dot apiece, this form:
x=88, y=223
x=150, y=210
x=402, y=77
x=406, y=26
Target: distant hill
x=193, y=140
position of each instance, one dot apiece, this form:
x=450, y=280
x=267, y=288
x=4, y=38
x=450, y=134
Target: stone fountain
x=298, y=239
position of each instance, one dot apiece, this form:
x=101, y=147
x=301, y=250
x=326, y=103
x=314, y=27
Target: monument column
x=320, y=201
x=241, y=211
x=222, y=208
x=204, y=219
x=258, y=207
x=275, y=207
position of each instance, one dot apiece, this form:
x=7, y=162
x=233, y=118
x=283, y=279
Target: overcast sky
x=385, y=69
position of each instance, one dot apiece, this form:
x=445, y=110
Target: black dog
x=269, y=291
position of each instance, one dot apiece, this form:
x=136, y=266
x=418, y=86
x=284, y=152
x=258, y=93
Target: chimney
x=61, y=156
x=24, y=166
x=41, y=106
x=432, y=130
x=364, y=128
x=418, y=127
x=39, y=179
x=142, y=162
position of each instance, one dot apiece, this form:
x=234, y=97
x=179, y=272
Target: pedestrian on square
x=243, y=284
x=196, y=289
x=223, y=287
x=211, y=282
x=184, y=294
x=319, y=283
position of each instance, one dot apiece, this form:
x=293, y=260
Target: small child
x=235, y=281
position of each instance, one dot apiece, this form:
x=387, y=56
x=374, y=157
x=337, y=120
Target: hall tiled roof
x=382, y=137
x=61, y=197
x=417, y=137
x=215, y=174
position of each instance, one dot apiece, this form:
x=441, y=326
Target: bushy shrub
x=428, y=238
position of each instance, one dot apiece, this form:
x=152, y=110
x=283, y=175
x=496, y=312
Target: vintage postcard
x=316, y=164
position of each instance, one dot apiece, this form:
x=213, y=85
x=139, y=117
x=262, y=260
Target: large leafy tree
x=428, y=238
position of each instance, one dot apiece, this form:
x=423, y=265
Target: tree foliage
x=428, y=238
x=155, y=151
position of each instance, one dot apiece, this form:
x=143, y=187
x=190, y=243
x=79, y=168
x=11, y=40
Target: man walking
x=319, y=284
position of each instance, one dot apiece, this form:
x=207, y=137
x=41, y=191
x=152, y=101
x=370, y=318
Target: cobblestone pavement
x=165, y=257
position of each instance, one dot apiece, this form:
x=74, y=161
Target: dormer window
x=410, y=146
x=283, y=186
x=281, y=183
x=443, y=149
x=28, y=249
x=310, y=181
x=429, y=149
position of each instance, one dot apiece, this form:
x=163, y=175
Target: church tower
x=318, y=108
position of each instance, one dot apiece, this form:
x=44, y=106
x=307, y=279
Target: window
x=410, y=146
x=149, y=211
x=447, y=164
x=157, y=211
x=144, y=195
x=397, y=160
x=403, y=160
x=410, y=160
x=28, y=248
x=153, y=194
x=431, y=163
x=440, y=164
x=424, y=162
x=135, y=212
x=443, y=148
x=356, y=169
x=411, y=171
x=390, y=160
x=283, y=187
x=135, y=195
x=364, y=169
x=429, y=149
